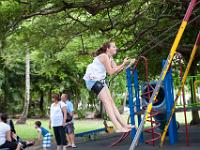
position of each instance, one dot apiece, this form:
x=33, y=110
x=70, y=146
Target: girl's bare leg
x=103, y=96
x=116, y=111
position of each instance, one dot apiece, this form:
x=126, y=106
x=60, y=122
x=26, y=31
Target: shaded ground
x=102, y=142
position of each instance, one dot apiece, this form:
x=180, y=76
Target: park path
x=102, y=142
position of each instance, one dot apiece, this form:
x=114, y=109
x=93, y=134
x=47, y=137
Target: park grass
x=27, y=131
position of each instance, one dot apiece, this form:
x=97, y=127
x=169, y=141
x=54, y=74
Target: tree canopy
x=62, y=34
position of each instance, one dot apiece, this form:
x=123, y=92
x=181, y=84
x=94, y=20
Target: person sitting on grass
x=5, y=134
x=42, y=132
x=15, y=138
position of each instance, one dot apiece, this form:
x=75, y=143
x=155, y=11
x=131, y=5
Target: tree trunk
x=49, y=101
x=195, y=113
x=5, y=85
x=5, y=89
x=42, y=103
x=24, y=114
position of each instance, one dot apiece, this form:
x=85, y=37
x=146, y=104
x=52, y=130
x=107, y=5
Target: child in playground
x=44, y=135
x=95, y=75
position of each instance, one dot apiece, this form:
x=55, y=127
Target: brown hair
x=102, y=49
x=38, y=123
x=56, y=96
x=4, y=117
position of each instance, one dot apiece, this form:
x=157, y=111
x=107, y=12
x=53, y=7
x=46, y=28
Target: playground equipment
x=121, y=138
x=164, y=102
x=161, y=106
x=147, y=91
x=181, y=87
x=180, y=57
x=164, y=71
x=91, y=134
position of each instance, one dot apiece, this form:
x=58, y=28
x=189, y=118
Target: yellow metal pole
x=180, y=88
x=164, y=71
x=171, y=55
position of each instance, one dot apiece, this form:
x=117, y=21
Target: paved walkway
x=102, y=142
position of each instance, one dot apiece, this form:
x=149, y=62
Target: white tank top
x=95, y=71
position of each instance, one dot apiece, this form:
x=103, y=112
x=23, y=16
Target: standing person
x=5, y=134
x=58, y=115
x=95, y=75
x=44, y=135
x=70, y=124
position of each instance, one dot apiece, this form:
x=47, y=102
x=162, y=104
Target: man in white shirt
x=70, y=125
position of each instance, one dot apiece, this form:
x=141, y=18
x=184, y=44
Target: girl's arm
x=8, y=136
x=111, y=68
x=113, y=63
x=131, y=62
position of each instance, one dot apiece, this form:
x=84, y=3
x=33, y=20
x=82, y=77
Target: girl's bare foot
x=129, y=126
x=123, y=130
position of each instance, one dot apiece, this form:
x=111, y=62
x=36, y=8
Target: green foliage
x=61, y=36
x=81, y=113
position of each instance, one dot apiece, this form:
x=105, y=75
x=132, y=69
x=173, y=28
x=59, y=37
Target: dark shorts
x=97, y=87
x=69, y=129
x=10, y=145
x=60, y=135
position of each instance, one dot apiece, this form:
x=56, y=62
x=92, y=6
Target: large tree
x=64, y=33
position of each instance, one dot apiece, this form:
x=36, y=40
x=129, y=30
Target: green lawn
x=28, y=131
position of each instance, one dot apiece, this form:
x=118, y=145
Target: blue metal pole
x=137, y=96
x=130, y=100
x=169, y=100
x=172, y=104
